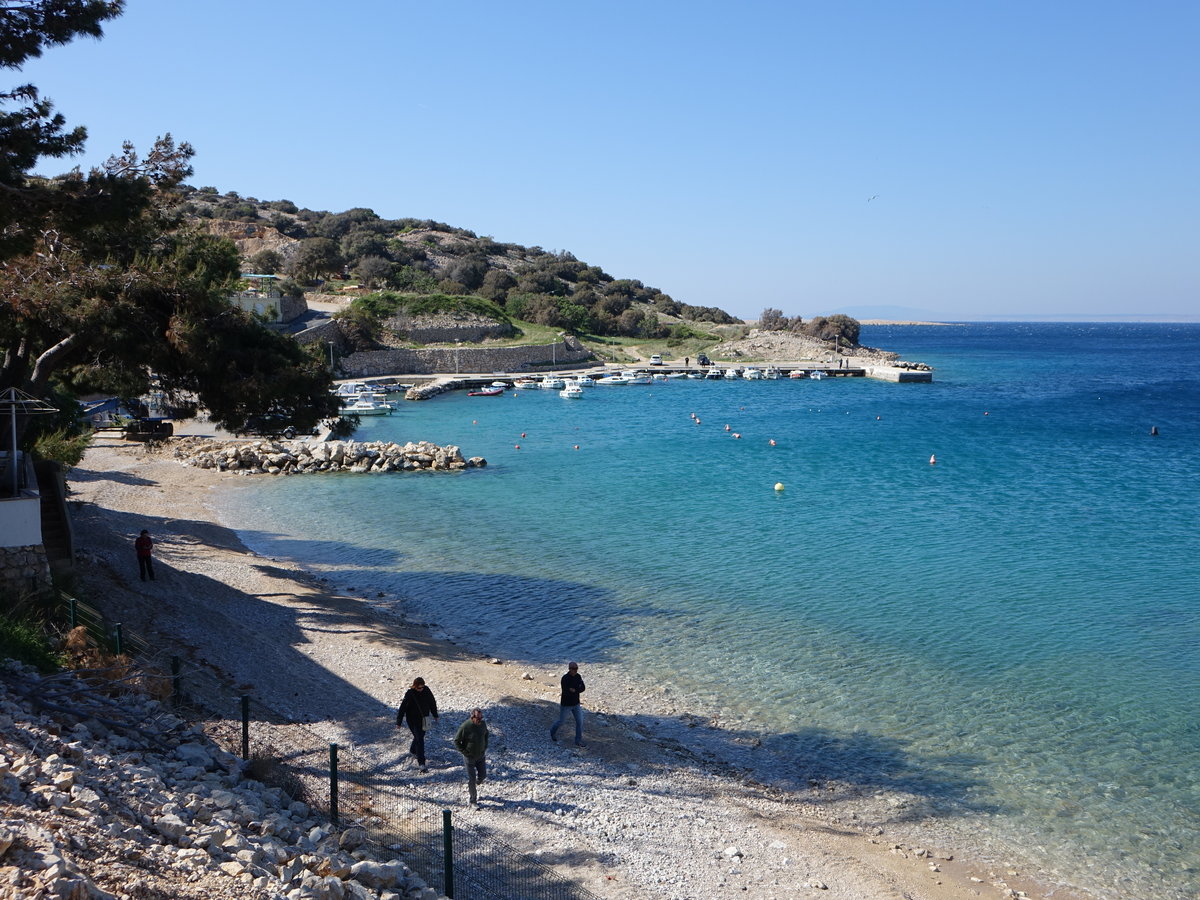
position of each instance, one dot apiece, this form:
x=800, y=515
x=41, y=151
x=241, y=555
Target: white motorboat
x=752, y=374
x=672, y=376
x=525, y=384
x=699, y=376
x=571, y=392
x=615, y=378
x=584, y=381
x=798, y=373
x=552, y=383
x=714, y=374
x=816, y=374
x=365, y=406
x=659, y=376
x=639, y=378
x=771, y=373
x=732, y=373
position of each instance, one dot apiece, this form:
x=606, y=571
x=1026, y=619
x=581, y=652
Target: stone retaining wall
x=24, y=568
x=311, y=457
x=450, y=360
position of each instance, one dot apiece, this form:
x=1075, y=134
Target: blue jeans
x=577, y=712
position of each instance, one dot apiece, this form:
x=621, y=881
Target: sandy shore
x=640, y=812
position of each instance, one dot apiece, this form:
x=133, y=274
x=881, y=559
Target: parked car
x=656, y=360
x=703, y=360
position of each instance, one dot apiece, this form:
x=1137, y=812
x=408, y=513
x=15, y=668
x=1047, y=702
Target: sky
x=956, y=161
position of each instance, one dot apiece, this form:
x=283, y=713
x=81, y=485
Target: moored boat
x=750, y=373
x=491, y=391
x=365, y=406
x=571, y=392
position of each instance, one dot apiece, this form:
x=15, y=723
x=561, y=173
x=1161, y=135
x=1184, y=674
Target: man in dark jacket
x=418, y=704
x=144, y=546
x=472, y=741
x=572, y=687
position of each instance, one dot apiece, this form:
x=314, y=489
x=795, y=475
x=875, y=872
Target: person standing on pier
x=419, y=711
x=572, y=687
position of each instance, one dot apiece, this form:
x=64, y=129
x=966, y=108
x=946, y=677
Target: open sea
x=1012, y=635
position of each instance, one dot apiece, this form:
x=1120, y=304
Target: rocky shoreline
x=147, y=806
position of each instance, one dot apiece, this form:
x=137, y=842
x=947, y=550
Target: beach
x=665, y=810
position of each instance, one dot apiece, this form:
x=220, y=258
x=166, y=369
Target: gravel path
x=683, y=812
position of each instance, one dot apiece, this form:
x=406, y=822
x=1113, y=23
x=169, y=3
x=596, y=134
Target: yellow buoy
x=779, y=485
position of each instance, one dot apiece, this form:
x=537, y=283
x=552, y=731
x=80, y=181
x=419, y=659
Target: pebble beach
x=664, y=807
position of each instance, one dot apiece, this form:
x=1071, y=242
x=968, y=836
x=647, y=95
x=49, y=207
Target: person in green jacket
x=471, y=741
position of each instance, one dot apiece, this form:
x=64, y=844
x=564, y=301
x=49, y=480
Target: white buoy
x=932, y=459
x=779, y=485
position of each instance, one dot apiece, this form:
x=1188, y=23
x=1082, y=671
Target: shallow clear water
x=1011, y=634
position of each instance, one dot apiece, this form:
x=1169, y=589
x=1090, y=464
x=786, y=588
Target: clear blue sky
x=1025, y=159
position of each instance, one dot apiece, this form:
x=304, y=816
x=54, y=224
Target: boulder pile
x=145, y=805
x=303, y=457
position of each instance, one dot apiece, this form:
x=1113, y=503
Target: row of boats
x=362, y=399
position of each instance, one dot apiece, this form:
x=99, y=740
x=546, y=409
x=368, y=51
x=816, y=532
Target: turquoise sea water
x=1011, y=635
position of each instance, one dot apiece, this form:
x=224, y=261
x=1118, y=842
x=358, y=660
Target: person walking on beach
x=471, y=741
x=572, y=687
x=142, y=546
x=419, y=711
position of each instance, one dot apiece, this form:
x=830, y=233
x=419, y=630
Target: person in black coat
x=415, y=709
x=572, y=687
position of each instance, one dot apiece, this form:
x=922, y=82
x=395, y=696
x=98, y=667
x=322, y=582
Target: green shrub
x=62, y=446
x=24, y=641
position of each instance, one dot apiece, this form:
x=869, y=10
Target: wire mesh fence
x=343, y=782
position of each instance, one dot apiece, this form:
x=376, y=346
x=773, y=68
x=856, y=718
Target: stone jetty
x=269, y=457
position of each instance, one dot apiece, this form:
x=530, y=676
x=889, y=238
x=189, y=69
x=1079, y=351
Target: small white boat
x=500, y=384
x=816, y=374
x=699, y=376
x=639, y=378
x=771, y=373
x=525, y=384
x=659, y=376
x=364, y=406
x=615, y=378
x=732, y=373
x=752, y=374
x=584, y=381
x=714, y=374
x=798, y=373
x=552, y=383
x=671, y=376
x=571, y=392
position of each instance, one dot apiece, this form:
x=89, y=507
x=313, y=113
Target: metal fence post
x=447, y=855
x=245, y=726
x=73, y=612
x=333, y=784
x=117, y=638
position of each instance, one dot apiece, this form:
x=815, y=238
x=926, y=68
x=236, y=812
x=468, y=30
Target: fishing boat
x=552, y=383
x=525, y=384
x=816, y=374
x=714, y=374
x=750, y=373
x=771, y=373
x=571, y=392
x=732, y=373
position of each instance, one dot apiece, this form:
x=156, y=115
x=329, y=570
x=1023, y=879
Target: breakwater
x=266, y=457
